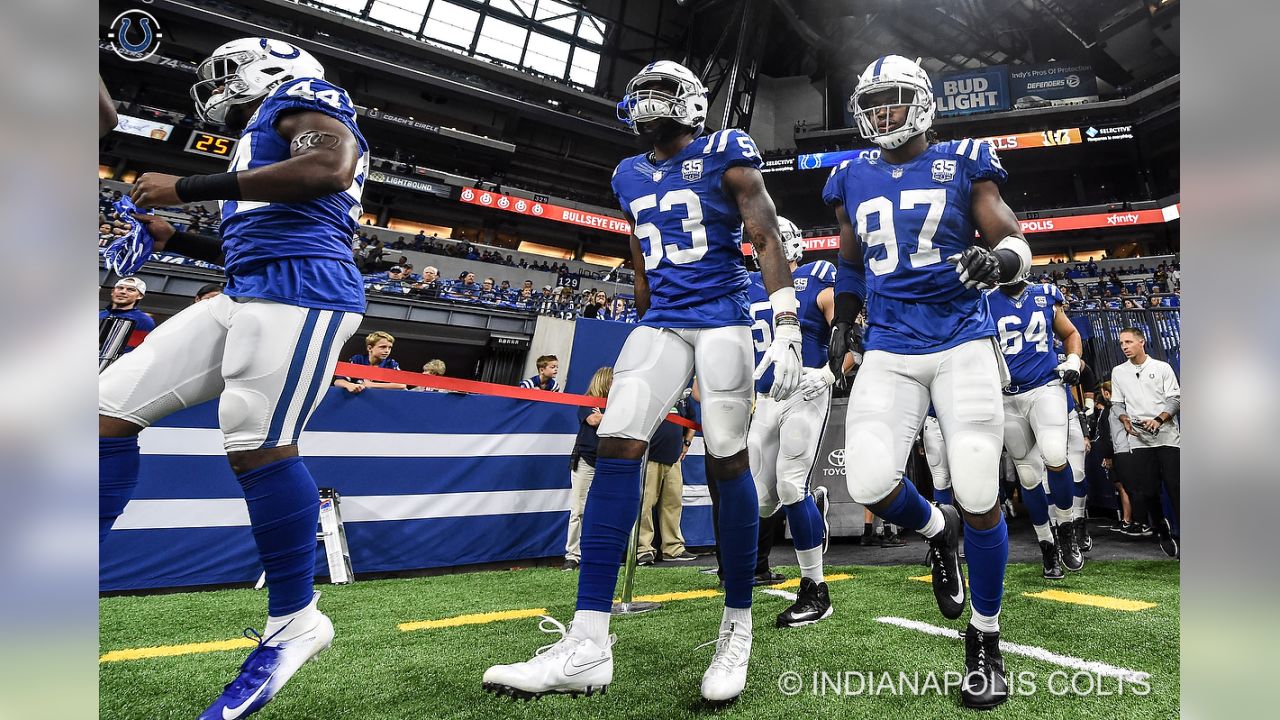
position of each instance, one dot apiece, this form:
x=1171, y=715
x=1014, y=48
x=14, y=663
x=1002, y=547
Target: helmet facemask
x=875, y=107
x=663, y=103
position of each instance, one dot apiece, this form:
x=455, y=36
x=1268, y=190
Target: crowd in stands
x=1087, y=286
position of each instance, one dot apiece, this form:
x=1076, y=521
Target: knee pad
x=724, y=424
x=1030, y=474
x=624, y=416
x=871, y=471
x=975, y=470
x=243, y=416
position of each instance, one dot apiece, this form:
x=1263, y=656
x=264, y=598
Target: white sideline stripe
x=232, y=512
x=208, y=441
x=1031, y=651
x=780, y=593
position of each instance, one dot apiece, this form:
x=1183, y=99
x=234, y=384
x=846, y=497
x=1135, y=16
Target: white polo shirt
x=1144, y=389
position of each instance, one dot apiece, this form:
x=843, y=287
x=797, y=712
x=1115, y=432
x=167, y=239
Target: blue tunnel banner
x=427, y=480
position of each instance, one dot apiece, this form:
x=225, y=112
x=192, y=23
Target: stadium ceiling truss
x=554, y=38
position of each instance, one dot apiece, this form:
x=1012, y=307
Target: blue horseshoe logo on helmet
x=147, y=35
x=266, y=45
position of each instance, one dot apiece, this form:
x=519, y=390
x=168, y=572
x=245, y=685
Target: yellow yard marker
x=474, y=619
x=171, y=650
x=455, y=621
x=1102, y=601
x=796, y=581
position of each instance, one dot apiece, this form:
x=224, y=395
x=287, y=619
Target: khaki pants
x=663, y=486
x=580, y=483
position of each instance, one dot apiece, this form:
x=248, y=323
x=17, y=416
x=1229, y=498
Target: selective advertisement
x=1103, y=134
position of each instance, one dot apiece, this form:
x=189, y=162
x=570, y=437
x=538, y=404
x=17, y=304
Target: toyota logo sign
x=836, y=457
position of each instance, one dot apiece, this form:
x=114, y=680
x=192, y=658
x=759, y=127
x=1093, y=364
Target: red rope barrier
x=366, y=372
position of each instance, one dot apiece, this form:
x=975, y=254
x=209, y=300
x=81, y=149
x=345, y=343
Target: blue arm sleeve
x=851, y=278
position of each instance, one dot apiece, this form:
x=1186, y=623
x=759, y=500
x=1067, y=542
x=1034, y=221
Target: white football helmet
x=245, y=70
x=792, y=242
x=687, y=106
x=893, y=72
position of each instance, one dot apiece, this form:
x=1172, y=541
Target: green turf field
x=375, y=671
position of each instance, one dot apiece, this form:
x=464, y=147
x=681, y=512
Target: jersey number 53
x=692, y=224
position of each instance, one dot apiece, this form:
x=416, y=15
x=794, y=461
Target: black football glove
x=846, y=337
x=978, y=267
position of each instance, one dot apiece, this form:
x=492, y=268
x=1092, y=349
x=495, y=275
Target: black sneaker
x=812, y=604
x=768, y=577
x=1139, y=530
x=820, y=499
x=644, y=559
x=685, y=556
x=570, y=564
x=1082, y=534
x=985, y=685
x=1049, y=554
x=1072, y=558
x=868, y=538
x=892, y=539
x=944, y=562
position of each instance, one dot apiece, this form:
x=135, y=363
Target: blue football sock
x=1080, y=489
x=909, y=509
x=1037, y=504
x=805, y=522
x=1060, y=486
x=942, y=497
x=739, y=531
x=613, y=504
x=284, y=508
x=117, y=477
x=987, y=554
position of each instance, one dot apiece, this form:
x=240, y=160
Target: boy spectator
x=432, y=367
x=378, y=354
x=125, y=296
x=548, y=368
x=207, y=291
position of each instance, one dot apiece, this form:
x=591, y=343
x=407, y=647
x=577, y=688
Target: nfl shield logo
x=691, y=170
x=896, y=172
x=944, y=170
x=1042, y=301
x=657, y=176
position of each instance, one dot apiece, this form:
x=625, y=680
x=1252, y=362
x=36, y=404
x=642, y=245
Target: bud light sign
x=972, y=91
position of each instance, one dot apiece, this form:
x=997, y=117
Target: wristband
x=220, y=186
x=784, y=302
x=851, y=278
x=1014, y=256
x=197, y=247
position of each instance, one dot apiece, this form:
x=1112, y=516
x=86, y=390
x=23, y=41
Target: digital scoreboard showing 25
x=204, y=143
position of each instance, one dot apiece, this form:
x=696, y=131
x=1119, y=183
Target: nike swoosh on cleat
x=958, y=597
x=570, y=664
x=229, y=713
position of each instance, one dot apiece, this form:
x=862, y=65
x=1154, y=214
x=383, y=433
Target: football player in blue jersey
x=1036, y=424
x=266, y=347
x=907, y=215
x=784, y=436
x=1077, y=444
x=688, y=199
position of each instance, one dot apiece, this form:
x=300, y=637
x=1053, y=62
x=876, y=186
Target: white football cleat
x=725, y=679
x=570, y=666
x=268, y=668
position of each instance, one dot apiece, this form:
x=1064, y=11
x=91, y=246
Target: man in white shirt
x=1146, y=398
